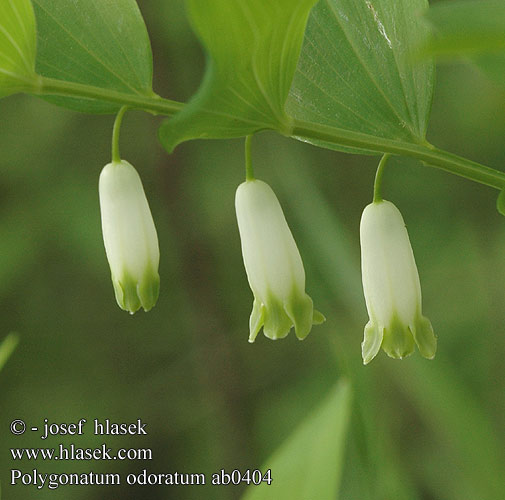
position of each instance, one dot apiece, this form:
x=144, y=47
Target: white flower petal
x=129, y=235
x=273, y=265
x=271, y=258
x=391, y=286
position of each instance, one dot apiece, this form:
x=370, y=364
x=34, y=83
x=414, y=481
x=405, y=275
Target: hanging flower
x=391, y=286
x=130, y=238
x=273, y=265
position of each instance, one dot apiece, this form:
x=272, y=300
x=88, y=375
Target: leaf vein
x=331, y=6
x=92, y=54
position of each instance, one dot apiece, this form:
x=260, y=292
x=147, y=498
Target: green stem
x=116, y=157
x=152, y=104
x=425, y=152
x=377, y=187
x=301, y=129
x=249, y=171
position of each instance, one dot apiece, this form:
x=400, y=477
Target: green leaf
x=309, y=464
x=7, y=347
x=253, y=48
x=357, y=71
x=103, y=43
x=17, y=45
x=471, y=29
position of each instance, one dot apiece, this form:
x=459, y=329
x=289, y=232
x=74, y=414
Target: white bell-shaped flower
x=391, y=286
x=130, y=238
x=273, y=265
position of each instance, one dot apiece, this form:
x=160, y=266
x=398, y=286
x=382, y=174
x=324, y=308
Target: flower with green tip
x=391, y=286
x=273, y=265
x=130, y=238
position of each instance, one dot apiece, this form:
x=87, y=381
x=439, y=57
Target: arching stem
x=377, y=187
x=116, y=157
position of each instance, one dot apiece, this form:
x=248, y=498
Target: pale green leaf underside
x=471, y=29
x=17, y=45
x=252, y=47
x=308, y=465
x=356, y=70
x=103, y=43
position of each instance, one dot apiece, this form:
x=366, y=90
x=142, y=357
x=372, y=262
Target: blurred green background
x=427, y=430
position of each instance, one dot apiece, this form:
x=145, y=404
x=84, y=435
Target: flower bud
x=391, y=286
x=273, y=265
x=130, y=238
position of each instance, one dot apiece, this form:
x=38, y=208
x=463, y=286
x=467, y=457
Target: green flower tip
x=399, y=340
x=132, y=295
x=278, y=318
